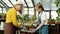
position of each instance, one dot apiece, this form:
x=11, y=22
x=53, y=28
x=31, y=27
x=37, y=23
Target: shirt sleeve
x=14, y=19
x=43, y=16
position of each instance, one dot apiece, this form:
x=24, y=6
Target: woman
x=11, y=18
x=42, y=20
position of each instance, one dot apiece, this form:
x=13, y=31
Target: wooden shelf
x=2, y=19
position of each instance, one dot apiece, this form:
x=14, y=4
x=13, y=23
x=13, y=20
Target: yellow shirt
x=11, y=16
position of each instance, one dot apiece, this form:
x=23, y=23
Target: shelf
x=2, y=19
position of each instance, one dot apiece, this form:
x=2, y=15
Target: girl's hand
x=34, y=30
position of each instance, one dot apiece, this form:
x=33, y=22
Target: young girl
x=42, y=19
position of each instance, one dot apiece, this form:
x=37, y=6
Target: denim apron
x=44, y=28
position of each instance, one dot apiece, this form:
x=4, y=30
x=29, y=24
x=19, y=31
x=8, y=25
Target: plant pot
x=51, y=22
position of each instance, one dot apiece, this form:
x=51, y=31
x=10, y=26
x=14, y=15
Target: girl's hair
x=40, y=6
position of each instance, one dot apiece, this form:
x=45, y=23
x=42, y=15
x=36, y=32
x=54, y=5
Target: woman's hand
x=34, y=30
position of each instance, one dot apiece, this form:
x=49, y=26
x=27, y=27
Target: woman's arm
x=43, y=22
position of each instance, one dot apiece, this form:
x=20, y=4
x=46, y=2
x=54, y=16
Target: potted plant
x=3, y=15
x=58, y=18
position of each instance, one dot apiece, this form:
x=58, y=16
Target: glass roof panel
x=36, y=1
x=53, y=6
x=8, y=3
x=29, y=2
x=1, y=5
x=50, y=3
x=47, y=4
x=13, y=1
x=53, y=1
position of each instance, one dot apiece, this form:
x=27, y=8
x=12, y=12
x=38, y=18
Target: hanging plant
x=57, y=2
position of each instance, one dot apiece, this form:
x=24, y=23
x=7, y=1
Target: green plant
x=2, y=15
x=33, y=18
x=58, y=12
x=26, y=18
x=57, y=2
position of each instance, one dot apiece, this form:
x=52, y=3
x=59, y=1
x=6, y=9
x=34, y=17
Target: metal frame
x=10, y=2
x=34, y=7
x=4, y=3
x=27, y=6
x=1, y=6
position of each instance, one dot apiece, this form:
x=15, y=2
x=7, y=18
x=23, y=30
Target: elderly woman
x=11, y=18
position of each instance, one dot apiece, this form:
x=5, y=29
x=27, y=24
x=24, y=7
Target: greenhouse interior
x=51, y=9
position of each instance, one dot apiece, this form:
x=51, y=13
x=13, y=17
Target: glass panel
x=25, y=11
x=1, y=5
x=36, y=1
x=53, y=1
x=4, y=10
x=0, y=10
x=29, y=2
x=48, y=4
x=13, y=1
x=47, y=13
x=54, y=14
x=8, y=3
x=31, y=11
x=53, y=6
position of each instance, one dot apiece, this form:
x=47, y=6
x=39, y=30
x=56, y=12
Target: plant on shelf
x=2, y=15
x=24, y=18
x=58, y=12
x=51, y=21
x=33, y=18
x=28, y=19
